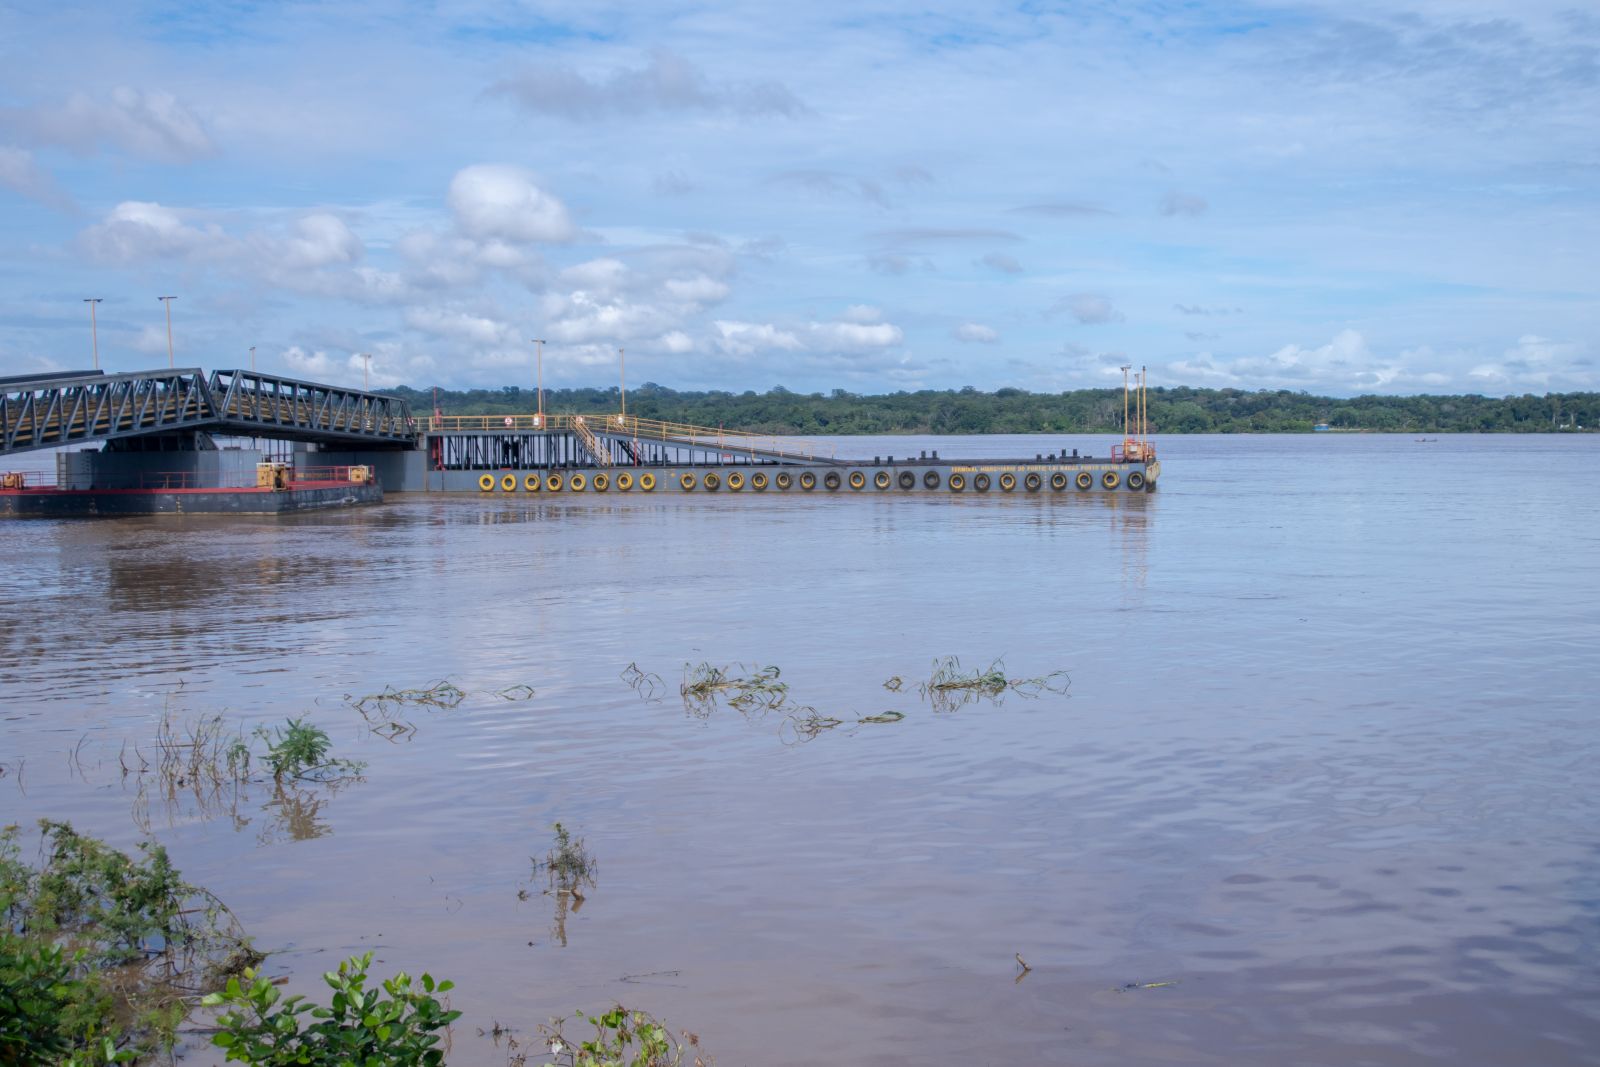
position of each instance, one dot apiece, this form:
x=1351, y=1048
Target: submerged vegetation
x=103, y=956
x=201, y=768
x=102, y=952
x=623, y=1037
x=950, y=687
x=299, y=750
x=441, y=694
x=382, y=710
x=1177, y=409
x=756, y=692
x=704, y=685
x=569, y=869
x=568, y=863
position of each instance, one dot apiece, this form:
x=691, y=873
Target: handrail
x=602, y=457
x=629, y=426
x=1132, y=450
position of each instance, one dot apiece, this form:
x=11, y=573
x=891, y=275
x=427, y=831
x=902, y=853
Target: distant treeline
x=1178, y=409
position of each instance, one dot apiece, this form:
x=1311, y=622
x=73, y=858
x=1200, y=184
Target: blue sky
x=1338, y=197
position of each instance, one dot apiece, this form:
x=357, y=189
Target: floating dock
x=616, y=453
x=160, y=431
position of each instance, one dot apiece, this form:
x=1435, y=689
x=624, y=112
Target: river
x=1316, y=787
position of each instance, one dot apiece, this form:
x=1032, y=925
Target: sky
x=1362, y=196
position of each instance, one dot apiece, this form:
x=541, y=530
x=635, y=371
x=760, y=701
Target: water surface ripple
x=1325, y=767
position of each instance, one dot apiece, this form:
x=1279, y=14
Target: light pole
x=252, y=359
x=538, y=362
x=1125, y=371
x=622, y=371
x=94, y=331
x=167, y=301
x=1144, y=406
x=366, y=370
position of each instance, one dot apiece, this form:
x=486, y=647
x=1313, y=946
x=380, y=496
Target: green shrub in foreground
x=393, y=1027
x=622, y=1038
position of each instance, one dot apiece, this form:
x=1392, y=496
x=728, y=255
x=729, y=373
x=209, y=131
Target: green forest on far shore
x=1178, y=409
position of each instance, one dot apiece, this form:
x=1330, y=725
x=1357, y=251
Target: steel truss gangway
x=48, y=411
x=486, y=442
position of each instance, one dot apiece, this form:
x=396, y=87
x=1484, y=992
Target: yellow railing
x=586, y=426
x=601, y=454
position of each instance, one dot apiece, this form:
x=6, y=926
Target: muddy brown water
x=1327, y=763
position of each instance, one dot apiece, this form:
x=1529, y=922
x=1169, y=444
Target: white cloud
x=666, y=83
x=20, y=173
x=369, y=285
x=699, y=290
x=1348, y=364
x=581, y=317
x=608, y=300
x=862, y=313
x=148, y=124
x=448, y=261
x=137, y=229
x=747, y=338
x=503, y=202
x=1346, y=354
x=975, y=333
x=152, y=340
x=315, y=365
x=318, y=241
x=604, y=276
x=1088, y=308
x=390, y=365
x=856, y=335
x=461, y=325
x=1536, y=362
x=294, y=233
x=1345, y=362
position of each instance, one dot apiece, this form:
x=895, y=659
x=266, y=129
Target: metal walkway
x=487, y=442
x=48, y=411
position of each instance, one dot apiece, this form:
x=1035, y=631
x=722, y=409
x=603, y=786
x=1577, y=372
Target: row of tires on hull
x=832, y=481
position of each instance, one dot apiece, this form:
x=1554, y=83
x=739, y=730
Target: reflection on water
x=294, y=812
x=1321, y=788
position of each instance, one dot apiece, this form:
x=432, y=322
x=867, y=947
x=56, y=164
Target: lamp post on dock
x=167, y=302
x=94, y=331
x=622, y=371
x=366, y=370
x=1125, y=371
x=252, y=359
x=538, y=364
